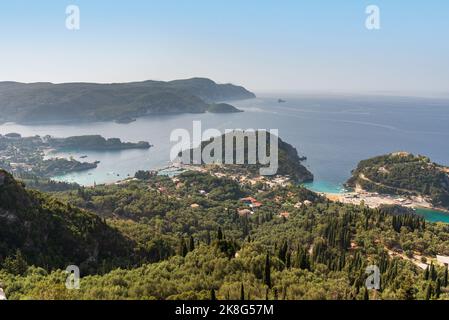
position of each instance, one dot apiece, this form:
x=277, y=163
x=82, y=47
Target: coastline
x=374, y=200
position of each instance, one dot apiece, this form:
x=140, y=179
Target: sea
x=334, y=132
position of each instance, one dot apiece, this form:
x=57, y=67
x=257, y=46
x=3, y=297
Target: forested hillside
x=36, y=229
x=48, y=102
x=206, y=240
x=403, y=174
x=288, y=163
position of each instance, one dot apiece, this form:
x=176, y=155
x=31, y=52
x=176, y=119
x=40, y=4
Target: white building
x=443, y=260
x=2, y=294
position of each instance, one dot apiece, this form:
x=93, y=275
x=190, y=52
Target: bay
x=335, y=132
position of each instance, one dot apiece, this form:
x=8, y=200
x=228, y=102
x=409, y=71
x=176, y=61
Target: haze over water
x=334, y=132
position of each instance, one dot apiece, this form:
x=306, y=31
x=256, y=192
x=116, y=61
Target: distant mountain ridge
x=48, y=102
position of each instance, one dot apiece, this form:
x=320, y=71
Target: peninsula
x=28, y=156
x=120, y=102
x=400, y=179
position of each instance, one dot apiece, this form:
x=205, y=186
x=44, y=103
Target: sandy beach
x=374, y=200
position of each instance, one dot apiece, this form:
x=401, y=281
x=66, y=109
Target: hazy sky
x=282, y=45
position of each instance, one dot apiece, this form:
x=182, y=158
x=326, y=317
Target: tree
x=303, y=259
x=433, y=273
x=242, y=292
x=191, y=244
x=219, y=234
x=212, y=295
x=288, y=260
x=438, y=289
x=182, y=250
x=426, y=274
x=429, y=292
x=16, y=264
x=283, y=252
x=267, y=278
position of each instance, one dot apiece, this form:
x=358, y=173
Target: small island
x=93, y=142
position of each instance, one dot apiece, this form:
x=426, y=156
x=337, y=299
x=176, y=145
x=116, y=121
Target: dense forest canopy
x=195, y=234
x=288, y=163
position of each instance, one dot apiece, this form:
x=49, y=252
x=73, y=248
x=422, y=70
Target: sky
x=264, y=45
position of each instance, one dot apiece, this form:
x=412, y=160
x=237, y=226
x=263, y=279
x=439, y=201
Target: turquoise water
x=325, y=187
x=430, y=215
x=433, y=215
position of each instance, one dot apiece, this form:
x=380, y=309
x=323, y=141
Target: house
x=245, y=212
x=248, y=200
x=255, y=205
x=298, y=205
x=443, y=260
x=180, y=185
x=251, y=202
x=284, y=214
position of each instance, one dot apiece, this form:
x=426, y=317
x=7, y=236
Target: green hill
x=403, y=174
x=296, y=245
x=47, y=102
x=51, y=234
x=289, y=163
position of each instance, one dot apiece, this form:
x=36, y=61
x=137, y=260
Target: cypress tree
x=366, y=294
x=219, y=234
x=283, y=252
x=426, y=274
x=191, y=244
x=212, y=295
x=288, y=260
x=208, y=240
x=438, y=289
x=182, y=248
x=429, y=292
x=267, y=278
x=433, y=273
x=242, y=292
